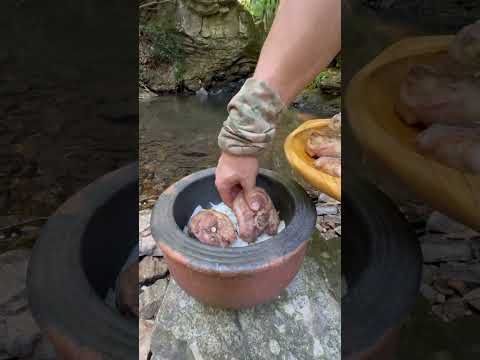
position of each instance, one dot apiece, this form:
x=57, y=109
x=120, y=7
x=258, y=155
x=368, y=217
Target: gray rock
x=457, y=285
x=333, y=219
x=460, y=271
x=150, y=269
x=437, y=222
x=431, y=294
x=326, y=199
x=214, y=40
x=454, y=308
x=148, y=246
x=327, y=210
x=441, y=285
x=437, y=250
x=151, y=298
x=13, y=270
x=429, y=273
x=22, y=334
x=473, y=298
x=145, y=330
x=202, y=93
x=303, y=323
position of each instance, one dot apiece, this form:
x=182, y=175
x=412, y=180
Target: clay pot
x=77, y=259
x=382, y=263
x=232, y=277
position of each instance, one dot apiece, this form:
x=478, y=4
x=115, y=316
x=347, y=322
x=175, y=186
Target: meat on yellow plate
x=458, y=147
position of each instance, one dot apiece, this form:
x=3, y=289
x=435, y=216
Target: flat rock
x=326, y=210
x=457, y=285
x=438, y=222
x=432, y=295
x=303, y=323
x=438, y=250
x=13, y=271
x=148, y=246
x=473, y=298
x=151, y=269
x=441, y=285
x=145, y=330
x=466, y=272
x=22, y=334
x=429, y=273
x=454, y=308
x=151, y=298
x=327, y=199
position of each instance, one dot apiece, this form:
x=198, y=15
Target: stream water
x=178, y=136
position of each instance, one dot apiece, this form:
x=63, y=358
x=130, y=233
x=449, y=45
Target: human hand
x=234, y=174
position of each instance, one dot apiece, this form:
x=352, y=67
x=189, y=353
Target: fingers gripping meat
x=254, y=223
x=213, y=228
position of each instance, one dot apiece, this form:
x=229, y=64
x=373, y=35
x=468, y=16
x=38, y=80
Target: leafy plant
x=165, y=46
x=263, y=11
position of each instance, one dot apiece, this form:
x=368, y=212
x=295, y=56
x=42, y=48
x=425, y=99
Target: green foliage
x=328, y=80
x=164, y=43
x=179, y=70
x=263, y=11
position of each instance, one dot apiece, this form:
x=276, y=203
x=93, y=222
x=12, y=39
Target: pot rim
x=56, y=278
x=248, y=259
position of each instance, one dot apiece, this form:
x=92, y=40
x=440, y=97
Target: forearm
x=304, y=38
x=302, y=42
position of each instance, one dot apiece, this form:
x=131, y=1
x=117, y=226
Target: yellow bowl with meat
x=370, y=101
x=302, y=163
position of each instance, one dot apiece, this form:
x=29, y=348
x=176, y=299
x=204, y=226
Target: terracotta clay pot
x=382, y=263
x=232, y=277
x=76, y=260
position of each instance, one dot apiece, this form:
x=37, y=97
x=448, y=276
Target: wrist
x=253, y=113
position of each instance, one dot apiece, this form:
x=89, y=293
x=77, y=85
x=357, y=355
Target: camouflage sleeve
x=253, y=113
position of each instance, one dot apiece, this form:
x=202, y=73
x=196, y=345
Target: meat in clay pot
x=212, y=228
x=253, y=223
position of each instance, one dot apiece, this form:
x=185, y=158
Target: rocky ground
x=20, y=337
x=451, y=269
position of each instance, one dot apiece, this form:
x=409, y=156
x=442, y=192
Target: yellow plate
x=297, y=157
x=370, y=109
